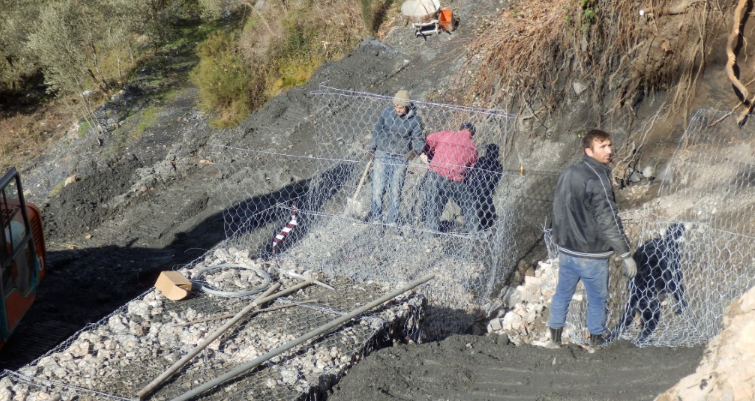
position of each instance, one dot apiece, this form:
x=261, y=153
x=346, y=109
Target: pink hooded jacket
x=453, y=153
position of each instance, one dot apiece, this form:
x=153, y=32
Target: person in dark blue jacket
x=396, y=139
x=587, y=230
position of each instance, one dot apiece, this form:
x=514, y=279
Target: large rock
x=727, y=372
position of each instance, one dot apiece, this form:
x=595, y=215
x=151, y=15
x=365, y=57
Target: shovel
x=355, y=207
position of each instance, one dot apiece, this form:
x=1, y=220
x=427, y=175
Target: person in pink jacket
x=452, y=156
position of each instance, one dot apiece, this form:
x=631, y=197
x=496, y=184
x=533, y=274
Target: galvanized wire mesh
x=361, y=138
x=321, y=235
x=693, y=261
x=693, y=246
x=116, y=357
x=711, y=173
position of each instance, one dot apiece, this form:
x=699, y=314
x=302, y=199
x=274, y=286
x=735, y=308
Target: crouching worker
x=452, y=155
x=587, y=230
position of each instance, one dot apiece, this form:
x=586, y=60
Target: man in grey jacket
x=587, y=230
x=396, y=139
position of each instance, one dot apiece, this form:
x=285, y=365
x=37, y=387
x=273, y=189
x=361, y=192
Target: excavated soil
x=155, y=203
x=487, y=368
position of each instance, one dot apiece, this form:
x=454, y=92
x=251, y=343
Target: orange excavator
x=22, y=253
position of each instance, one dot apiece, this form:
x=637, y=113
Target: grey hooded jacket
x=398, y=135
x=585, y=218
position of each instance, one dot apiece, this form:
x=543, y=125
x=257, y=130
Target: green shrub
x=278, y=46
x=590, y=12
x=83, y=128
x=226, y=84
x=296, y=57
x=147, y=120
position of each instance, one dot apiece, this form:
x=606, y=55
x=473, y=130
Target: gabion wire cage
x=693, y=245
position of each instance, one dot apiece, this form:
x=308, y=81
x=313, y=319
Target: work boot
x=596, y=342
x=555, y=341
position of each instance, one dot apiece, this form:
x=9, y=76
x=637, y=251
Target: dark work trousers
x=439, y=190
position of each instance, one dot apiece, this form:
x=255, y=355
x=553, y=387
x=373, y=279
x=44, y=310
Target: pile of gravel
x=117, y=356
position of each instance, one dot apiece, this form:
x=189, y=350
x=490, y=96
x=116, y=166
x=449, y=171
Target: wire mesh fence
x=319, y=233
x=366, y=214
x=712, y=174
x=693, y=246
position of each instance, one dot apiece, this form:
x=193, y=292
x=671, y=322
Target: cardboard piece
x=173, y=285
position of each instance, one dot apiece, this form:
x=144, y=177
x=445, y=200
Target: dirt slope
x=142, y=206
x=486, y=368
x=153, y=204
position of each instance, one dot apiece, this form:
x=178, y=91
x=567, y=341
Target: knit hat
x=401, y=98
x=469, y=126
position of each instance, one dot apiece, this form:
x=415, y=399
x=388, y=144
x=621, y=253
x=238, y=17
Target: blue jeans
x=438, y=191
x=594, y=275
x=388, y=170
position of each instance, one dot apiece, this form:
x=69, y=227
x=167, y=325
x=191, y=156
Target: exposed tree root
x=679, y=8
x=743, y=116
x=722, y=118
x=731, y=43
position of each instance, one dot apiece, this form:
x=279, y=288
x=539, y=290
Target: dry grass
x=336, y=26
x=282, y=44
x=24, y=136
x=533, y=51
x=528, y=58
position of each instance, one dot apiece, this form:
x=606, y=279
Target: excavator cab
x=22, y=253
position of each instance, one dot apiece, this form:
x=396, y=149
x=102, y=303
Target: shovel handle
x=361, y=180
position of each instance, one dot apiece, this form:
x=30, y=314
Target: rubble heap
x=727, y=371
x=345, y=248
x=116, y=357
x=524, y=320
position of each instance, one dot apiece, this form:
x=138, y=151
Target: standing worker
x=396, y=139
x=587, y=230
x=452, y=156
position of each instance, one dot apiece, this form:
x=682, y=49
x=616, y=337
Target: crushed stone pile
x=391, y=256
x=524, y=320
x=727, y=371
x=117, y=356
x=349, y=249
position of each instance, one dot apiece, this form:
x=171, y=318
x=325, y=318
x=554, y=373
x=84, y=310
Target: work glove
x=423, y=159
x=630, y=267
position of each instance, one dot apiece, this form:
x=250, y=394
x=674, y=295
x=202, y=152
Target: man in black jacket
x=587, y=230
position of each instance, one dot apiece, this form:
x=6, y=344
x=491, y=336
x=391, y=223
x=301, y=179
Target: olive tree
x=67, y=38
x=83, y=43
x=16, y=60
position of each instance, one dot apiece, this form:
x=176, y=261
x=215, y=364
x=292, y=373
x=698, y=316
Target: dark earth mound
x=154, y=205
x=486, y=368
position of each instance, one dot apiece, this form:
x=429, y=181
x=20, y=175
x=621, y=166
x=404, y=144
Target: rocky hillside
x=145, y=203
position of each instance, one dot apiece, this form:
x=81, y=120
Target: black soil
x=486, y=368
x=150, y=203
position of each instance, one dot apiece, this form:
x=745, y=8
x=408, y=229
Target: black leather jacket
x=585, y=218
